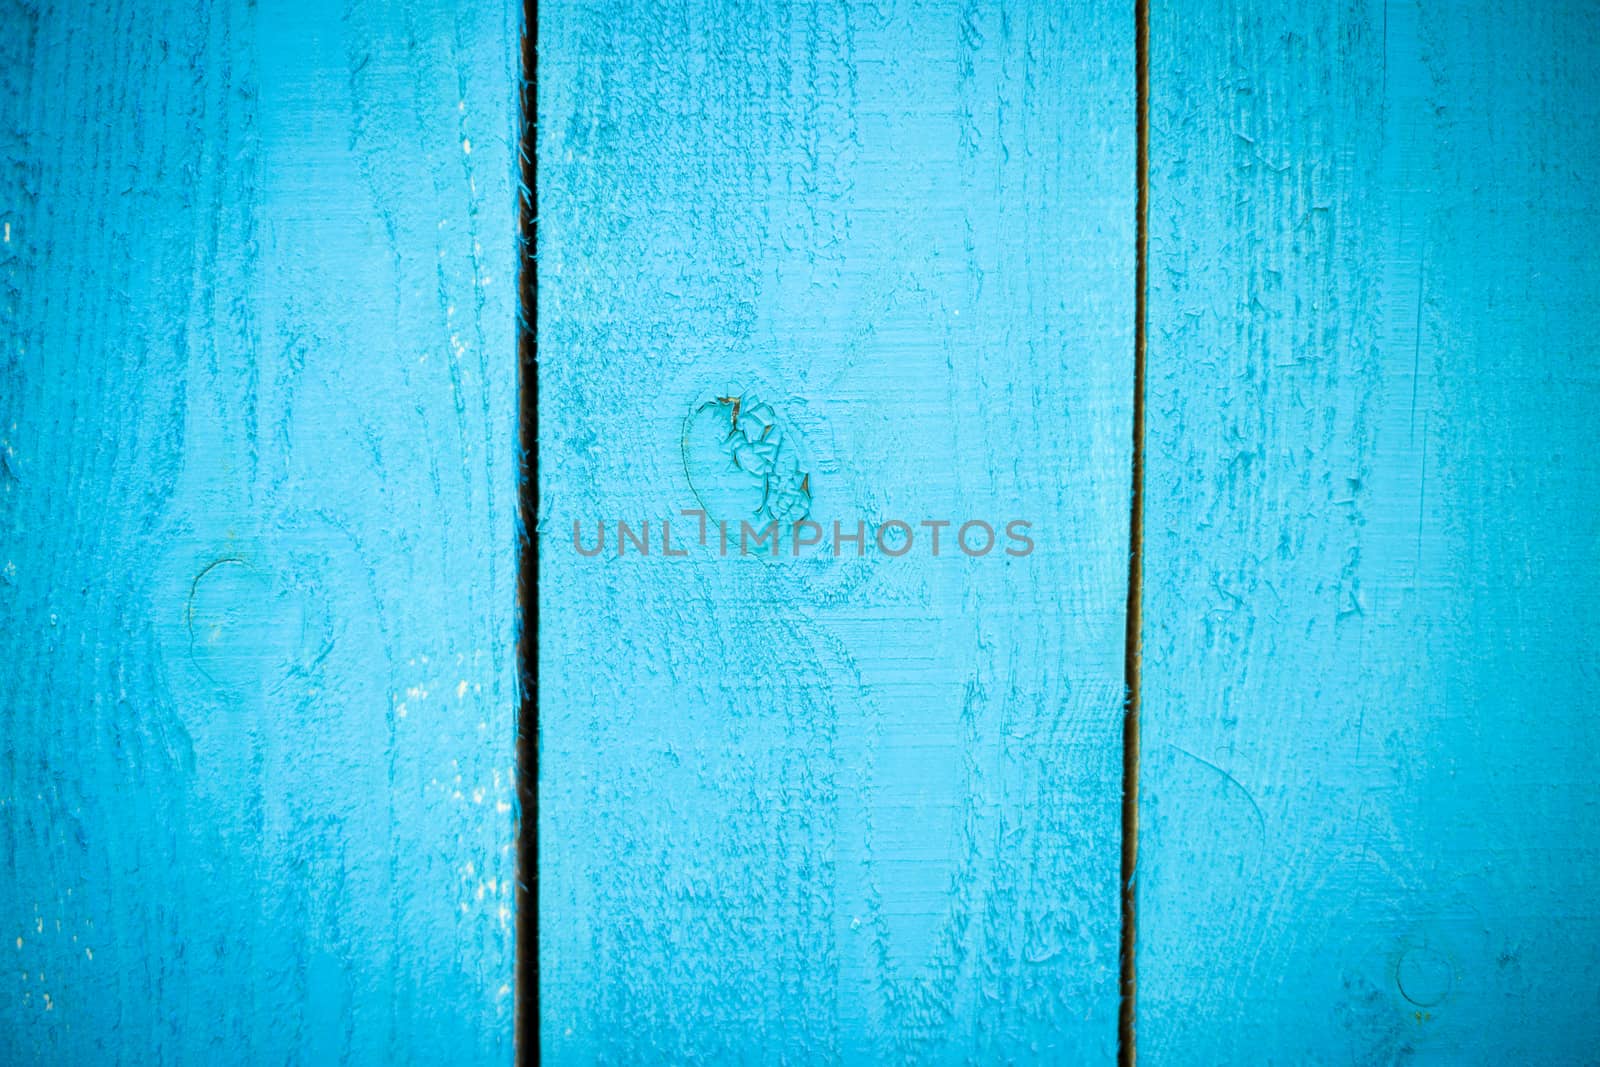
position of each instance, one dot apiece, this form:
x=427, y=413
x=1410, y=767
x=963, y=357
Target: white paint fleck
x=461, y=690
x=466, y=146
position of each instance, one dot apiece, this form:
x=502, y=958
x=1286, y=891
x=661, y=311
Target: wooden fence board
x=1369, y=822
x=256, y=500
x=816, y=810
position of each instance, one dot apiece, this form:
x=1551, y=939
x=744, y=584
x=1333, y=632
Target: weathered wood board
x=868, y=263
x=257, y=285
x=1371, y=822
x=819, y=810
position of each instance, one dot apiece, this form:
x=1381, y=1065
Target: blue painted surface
x=820, y=810
x=842, y=263
x=256, y=506
x=1370, y=827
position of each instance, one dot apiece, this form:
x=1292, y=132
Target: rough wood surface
x=256, y=505
x=1370, y=827
x=256, y=545
x=862, y=810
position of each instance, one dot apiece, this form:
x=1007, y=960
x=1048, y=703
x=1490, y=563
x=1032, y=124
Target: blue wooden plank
x=256, y=402
x=1369, y=822
x=820, y=810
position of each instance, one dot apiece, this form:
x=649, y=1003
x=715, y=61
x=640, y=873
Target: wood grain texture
x=256, y=502
x=862, y=810
x=1370, y=826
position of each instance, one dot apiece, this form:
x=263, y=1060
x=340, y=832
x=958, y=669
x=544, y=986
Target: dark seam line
x=526, y=1023
x=1127, y=1013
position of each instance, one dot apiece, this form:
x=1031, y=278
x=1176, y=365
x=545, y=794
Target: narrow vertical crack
x=526, y=1024
x=1128, y=983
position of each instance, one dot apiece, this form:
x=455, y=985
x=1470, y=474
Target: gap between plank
x=526, y=1022
x=1127, y=957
